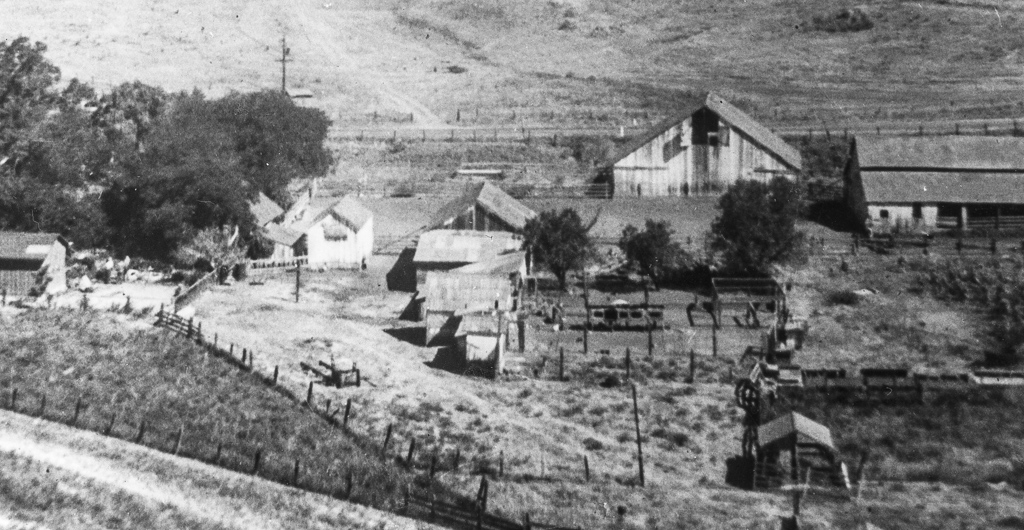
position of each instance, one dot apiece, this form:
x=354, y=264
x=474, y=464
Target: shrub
x=842, y=21
x=592, y=444
x=844, y=297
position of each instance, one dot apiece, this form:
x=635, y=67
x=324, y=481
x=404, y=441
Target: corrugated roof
x=936, y=187
x=26, y=245
x=941, y=152
x=492, y=199
x=505, y=264
x=264, y=209
x=466, y=293
x=464, y=246
x=757, y=132
x=806, y=429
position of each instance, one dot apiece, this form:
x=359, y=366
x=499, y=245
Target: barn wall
x=660, y=167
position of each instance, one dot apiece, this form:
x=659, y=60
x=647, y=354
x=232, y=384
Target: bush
x=842, y=21
x=845, y=297
x=592, y=444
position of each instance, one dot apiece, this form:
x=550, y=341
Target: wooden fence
x=262, y=264
x=196, y=289
x=423, y=505
x=455, y=188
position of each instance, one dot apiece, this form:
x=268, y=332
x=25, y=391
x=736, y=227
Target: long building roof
x=942, y=186
x=757, y=132
x=941, y=153
x=347, y=210
x=464, y=246
x=26, y=245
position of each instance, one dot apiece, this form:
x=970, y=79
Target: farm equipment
x=625, y=316
x=332, y=375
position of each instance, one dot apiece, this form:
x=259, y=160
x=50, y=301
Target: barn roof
x=464, y=246
x=492, y=199
x=936, y=186
x=32, y=246
x=806, y=430
x=466, y=293
x=943, y=152
x=264, y=209
x=757, y=132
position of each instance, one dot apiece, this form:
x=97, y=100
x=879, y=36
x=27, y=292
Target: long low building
x=922, y=183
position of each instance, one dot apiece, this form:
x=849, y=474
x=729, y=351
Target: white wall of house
x=331, y=242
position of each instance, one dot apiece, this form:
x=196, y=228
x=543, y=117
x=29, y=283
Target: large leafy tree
x=652, y=249
x=757, y=225
x=560, y=241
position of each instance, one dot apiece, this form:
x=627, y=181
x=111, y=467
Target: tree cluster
x=140, y=170
x=560, y=241
x=757, y=225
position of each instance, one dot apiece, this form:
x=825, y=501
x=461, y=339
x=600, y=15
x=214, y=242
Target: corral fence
x=272, y=264
x=417, y=502
x=1002, y=127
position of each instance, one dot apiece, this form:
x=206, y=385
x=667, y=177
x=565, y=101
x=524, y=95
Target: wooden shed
x=32, y=263
x=699, y=150
x=445, y=250
x=809, y=446
x=923, y=183
x=484, y=207
x=448, y=296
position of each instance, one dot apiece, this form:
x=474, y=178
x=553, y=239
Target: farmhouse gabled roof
x=757, y=132
x=466, y=293
x=941, y=153
x=806, y=430
x=492, y=199
x=27, y=246
x=264, y=209
x=347, y=210
x=464, y=246
x=281, y=234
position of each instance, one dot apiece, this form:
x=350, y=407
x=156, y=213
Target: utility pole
x=285, y=51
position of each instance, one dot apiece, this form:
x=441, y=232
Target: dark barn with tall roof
x=701, y=149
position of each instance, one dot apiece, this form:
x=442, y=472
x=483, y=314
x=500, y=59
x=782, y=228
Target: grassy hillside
x=145, y=376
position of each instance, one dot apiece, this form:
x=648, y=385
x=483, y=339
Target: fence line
x=412, y=188
x=196, y=289
x=192, y=330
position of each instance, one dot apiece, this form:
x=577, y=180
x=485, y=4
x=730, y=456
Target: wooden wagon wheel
x=748, y=396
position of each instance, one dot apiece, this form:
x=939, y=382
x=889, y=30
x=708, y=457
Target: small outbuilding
x=481, y=342
x=448, y=296
x=936, y=182
x=32, y=264
x=484, y=207
x=699, y=150
x=445, y=250
x=809, y=444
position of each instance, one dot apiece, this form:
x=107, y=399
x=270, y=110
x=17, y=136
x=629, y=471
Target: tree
x=558, y=240
x=652, y=250
x=757, y=225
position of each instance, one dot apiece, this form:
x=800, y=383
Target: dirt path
x=196, y=490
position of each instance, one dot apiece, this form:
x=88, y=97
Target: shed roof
x=936, y=187
x=806, y=430
x=281, y=234
x=466, y=293
x=503, y=264
x=941, y=152
x=27, y=245
x=492, y=199
x=464, y=246
x=726, y=111
x=264, y=209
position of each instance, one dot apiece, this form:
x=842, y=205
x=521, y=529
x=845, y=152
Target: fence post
x=387, y=439
x=251, y=355
x=455, y=461
x=214, y=341
x=78, y=408
x=586, y=468
x=348, y=407
x=216, y=457
x=309, y=395
x=650, y=339
x=692, y=364
x=188, y=334
x=639, y=442
x=231, y=350
x=276, y=369
x=561, y=364
x=295, y=474
x=501, y=464
x=142, y=432
x=628, y=364
x=714, y=340
x=177, y=440
x=14, y=399
x=256, y=461
x=245, y=354
x=348, y=485
x=199, y=333
x=433, y=465
x=110, y=426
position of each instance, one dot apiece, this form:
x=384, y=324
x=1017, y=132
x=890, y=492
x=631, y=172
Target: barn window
x=713, y=139
x=884, y=214
x=916, y=210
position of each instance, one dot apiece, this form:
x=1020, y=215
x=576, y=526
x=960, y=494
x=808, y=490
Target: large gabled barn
x=699, y=150
x=940, y=182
